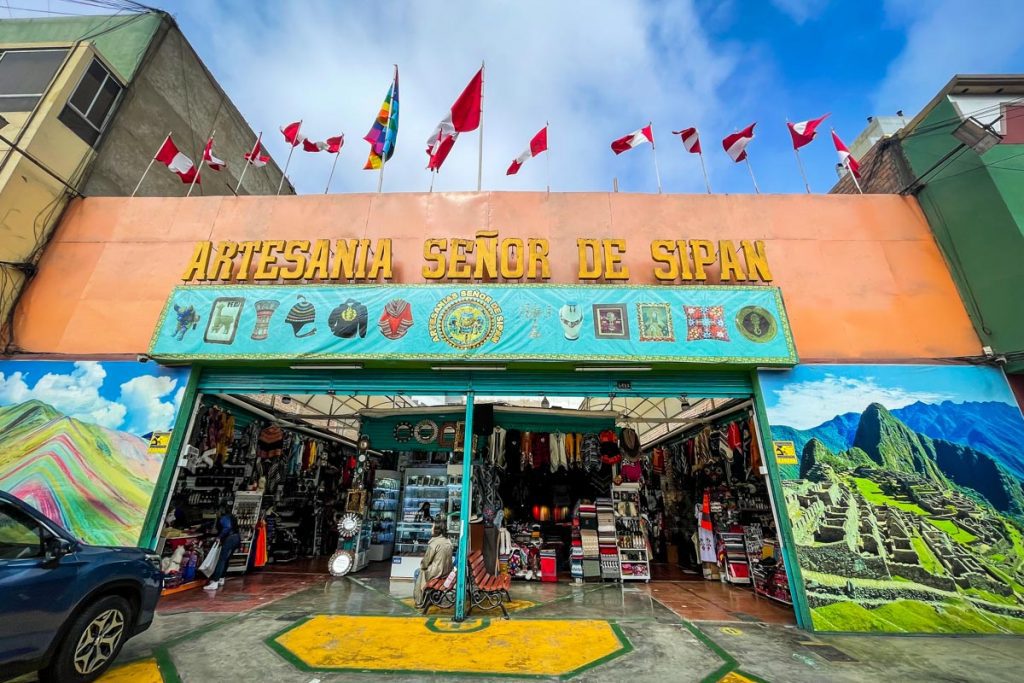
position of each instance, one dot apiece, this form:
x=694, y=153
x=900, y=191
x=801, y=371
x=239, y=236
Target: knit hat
x=630, y=442
x=301, y=314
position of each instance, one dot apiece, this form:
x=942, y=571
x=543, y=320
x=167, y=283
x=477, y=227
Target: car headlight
x=154, y=561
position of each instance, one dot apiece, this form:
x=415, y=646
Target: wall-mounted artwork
x=906, y=503
x=75, y=441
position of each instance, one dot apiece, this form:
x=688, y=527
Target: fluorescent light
x=482, y=368
x=609, y=368
x=348, y=366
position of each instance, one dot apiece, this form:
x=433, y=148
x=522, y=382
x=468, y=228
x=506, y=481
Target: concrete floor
x=201, y=637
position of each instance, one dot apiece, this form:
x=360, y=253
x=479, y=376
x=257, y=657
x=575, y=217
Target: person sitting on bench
x=436, y=563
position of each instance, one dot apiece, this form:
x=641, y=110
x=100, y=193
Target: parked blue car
x=66, y=608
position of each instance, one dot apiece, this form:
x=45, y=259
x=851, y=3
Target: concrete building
x=85, y=103
x=972, y=195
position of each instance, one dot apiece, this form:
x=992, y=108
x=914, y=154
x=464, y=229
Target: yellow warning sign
x=159, y=442
x=785, y=453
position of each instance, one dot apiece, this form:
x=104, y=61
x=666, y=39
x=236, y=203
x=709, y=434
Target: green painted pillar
x=465, y=511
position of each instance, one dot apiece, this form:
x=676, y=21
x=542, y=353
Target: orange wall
x=861, y=276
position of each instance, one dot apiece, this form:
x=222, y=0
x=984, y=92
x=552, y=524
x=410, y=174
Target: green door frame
x=705, y=383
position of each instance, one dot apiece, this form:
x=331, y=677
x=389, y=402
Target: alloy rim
x=99, y=641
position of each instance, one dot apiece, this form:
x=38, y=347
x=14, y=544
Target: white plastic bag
x=210, y=561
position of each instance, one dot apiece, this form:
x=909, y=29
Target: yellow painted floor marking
x=145, y=671
x=733, y=677
x=396, y=644
x=510, y=606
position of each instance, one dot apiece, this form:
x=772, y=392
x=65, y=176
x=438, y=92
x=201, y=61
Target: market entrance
x=605, y=480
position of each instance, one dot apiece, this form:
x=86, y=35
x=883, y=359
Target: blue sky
x=123, y=395
x=597, y=71
x=812, y=394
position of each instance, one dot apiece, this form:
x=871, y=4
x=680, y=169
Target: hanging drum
x=350, y=524
x=341, y=563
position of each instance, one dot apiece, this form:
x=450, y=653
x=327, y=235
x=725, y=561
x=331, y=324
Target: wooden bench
x=485, y=590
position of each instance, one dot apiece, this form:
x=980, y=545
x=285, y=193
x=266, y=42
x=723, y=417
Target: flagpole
x=707, y=183
x=853, y=176
x=654, y=151
x=202, y=160
x=146, y=172
x=331, y=177
x=432, y=174
x=803, y=173
x=547, y=153
x=284, y=173
x=248, y=162
x=480, y=157
x=751, y=169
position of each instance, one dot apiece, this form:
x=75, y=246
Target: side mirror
x=57, y=548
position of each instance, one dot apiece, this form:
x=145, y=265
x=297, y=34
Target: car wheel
x=92, y=643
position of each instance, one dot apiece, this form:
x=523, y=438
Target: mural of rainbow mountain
x=96, y=482
x=908, y=519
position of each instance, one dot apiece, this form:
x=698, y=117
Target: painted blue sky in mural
x=122, y=395
x=809, y=395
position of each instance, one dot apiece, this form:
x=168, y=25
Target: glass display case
x=424, y=496
x=383, y=515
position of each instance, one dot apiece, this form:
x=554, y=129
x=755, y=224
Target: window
x=20, y=536
x=25, y=75
x=87, y=111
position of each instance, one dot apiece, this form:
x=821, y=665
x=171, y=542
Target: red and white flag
x=538, y=144
x=735, y=145
x=333, y=145
x=803, y=132
x=637, y=137
x=255, y=157
x=175, y=161
x=463, y=117
x=691, y=139
x=210, y=160
x=845, y=158
x=311, y=146
x=292, y=135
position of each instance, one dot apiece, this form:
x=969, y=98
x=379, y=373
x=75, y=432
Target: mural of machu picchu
x=907, y=504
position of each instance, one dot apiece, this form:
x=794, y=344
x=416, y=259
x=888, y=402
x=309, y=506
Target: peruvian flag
x=691, y=139
x=637, y=137
x=310, y=146
x=254, y=157
x=735, y=145
x=463, y=117
x=333, y=145
x=440, y=144
x=174, y=160
x=845, y=158
x=538, y=144
x=803, y=132
x=292, y=135
x=210, y=160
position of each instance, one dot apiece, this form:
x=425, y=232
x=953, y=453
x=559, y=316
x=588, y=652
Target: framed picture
x=655, y=322
x=225, y=313
x=611, y=321
x=460, y=437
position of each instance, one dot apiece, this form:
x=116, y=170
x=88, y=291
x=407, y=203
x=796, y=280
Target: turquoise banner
x=711, y=324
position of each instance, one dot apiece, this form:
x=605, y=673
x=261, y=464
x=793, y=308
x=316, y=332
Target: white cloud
x=800, y=10
x=808, y=404
x=76, y=394
x=147, y=411
x=595, y=70
x=944, y=38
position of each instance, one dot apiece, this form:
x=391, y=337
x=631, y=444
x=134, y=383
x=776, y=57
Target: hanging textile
x=260, y=552
x=705, y=532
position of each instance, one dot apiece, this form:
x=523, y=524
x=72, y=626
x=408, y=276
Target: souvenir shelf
x=737, y=567
x=634, y=552
x=246, y=510
x=607, y=542
x=591, y=551
x=769, y=573
x=382, y=516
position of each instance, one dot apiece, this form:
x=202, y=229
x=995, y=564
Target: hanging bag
x=210, y=561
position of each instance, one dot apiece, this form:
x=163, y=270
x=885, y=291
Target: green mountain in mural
x=97, y=482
